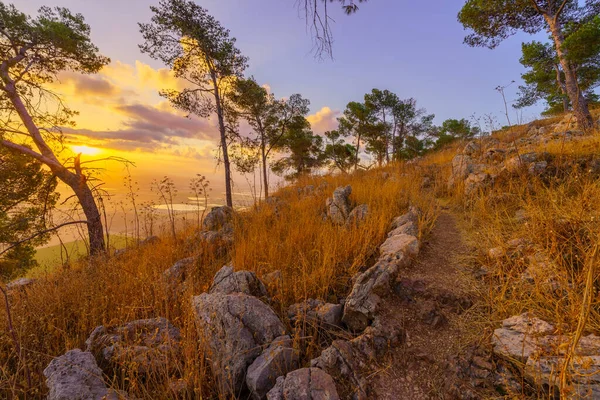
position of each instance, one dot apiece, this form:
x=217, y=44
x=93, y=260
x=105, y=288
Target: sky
x=413, y=48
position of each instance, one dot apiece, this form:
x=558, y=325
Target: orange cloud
x=324, y=120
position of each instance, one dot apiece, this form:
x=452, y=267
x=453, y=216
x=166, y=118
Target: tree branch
x=15, y=244
x=538, y=8
x=560, y=10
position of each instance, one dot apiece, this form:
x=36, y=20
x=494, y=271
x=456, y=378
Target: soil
x=434, y=301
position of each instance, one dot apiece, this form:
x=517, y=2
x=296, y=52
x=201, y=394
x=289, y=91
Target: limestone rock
x=462, y=166
x=233, y=328
x=520, y=336
x=316, y=310
x=226, y=282
x=537, y=168
x=178, y=272
x=76, y=376
x=273, y=279
x=521, y=161
x=471, y=148
x=339, y=206
x=150, y=346
x=219, y=218
x=277, y=360
x=397, y=248
x=363, y=301
x=476, y=182
x=304, y=384
x=358, y=215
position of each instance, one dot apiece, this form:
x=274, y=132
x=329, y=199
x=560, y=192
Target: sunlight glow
x=86, y=150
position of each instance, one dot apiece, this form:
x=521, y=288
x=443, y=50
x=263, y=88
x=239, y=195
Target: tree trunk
x=222, y=131
x=264, y=155
x=561, y=87
x=76, y=181
x=578, y=101
x=357, y=152
x=387, y=140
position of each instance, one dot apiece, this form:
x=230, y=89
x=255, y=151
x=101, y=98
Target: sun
x=88, y=151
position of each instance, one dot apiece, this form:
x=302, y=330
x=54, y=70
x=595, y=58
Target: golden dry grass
x=317, y=260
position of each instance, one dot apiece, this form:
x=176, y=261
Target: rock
x=412, y=216
x=316, y=310
x=304, y=384
x=338, y=207
x=234, y=328
x=177, y=273
x=476, y=182
x=277, y=360
x=430, y=314
x=149, y=346
x=76, y=376
x=519, y=162
x=273, y=279
x=226, y=282
x=537, y=168
x=471, y=148
x=358, y=215
x=584, y=374
x=219, y=218
x=350, y=361
x=362, y=303
x=398, y=248
x=496, y=253
x=520, y=336
x=462, y=166
x=385, y=176
x=20, y=284
x=426, y=182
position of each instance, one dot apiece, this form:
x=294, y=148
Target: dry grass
x=317, y=260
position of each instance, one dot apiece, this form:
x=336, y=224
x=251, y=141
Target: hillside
x=467, y=273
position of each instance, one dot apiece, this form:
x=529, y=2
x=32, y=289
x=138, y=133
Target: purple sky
x=413, y=48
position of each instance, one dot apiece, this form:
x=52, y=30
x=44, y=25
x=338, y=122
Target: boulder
x=234, y=328
x=178, y=272
x=358, y=215
x=219, y=218
x=520, y=336
x=537, y=168
x=277, y=360
x=316, y=310
x=521, y=161
x=148, y=346
x=476, y=182
x=472, y=148
x=352, y=360
x=273, y=279
x=412, y=216
x=362, y=303
x=304, y=384
x=462, y=166
x=76, y=376
x=226, y=282
x=398, y=248
x=339, y=206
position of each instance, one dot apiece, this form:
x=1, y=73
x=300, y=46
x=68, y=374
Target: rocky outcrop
x=219, y=218
x=528, y=340
x=276, y=360
x=348, y=361
x=328, y=315
x=462, y=166
x=226, y=281
x=76, y=376
x=362, y=304
x=148, y=346
x=178, y=273
x=357, y=215
x=234, y=328
x=339, y=206
x=304, y=384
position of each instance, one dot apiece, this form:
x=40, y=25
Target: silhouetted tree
x=495, y=20
x=32, y=54
x=358, y=121
x=199, y=50
x=27, y=196
x=383, y=103
x=340, y=154
x=303, y=148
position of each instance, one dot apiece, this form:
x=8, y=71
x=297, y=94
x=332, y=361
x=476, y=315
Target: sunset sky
x=412, y=48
